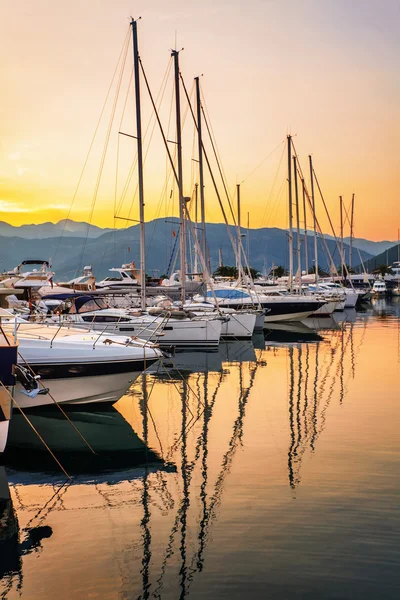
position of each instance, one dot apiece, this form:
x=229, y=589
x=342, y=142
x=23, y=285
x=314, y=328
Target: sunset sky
x=326, y=71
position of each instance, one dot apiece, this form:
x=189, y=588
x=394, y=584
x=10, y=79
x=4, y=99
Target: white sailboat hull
x=351, y=299
x=326, y=310
x=299, y=316
x=184, y=333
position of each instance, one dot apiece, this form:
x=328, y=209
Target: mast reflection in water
x=225, y=476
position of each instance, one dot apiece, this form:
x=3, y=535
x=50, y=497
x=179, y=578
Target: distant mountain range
x=388, y=257
x=70, y=228
x=50, y=230
x=69, y=249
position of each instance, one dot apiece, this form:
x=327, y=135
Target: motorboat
x=128, y=277
x=24, y=277
x=84, y=283
x=379, y=288
x=74, y=366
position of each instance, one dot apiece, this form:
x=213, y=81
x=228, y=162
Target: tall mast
x=296, y=191
x=289, y=148
x=341, y=235
x=140, y=166
x=248, y=238
x=305, y=223
x=196, y=195
x=220, y=259
x=182, y=220
x=351, y=232
x=201, y=170
x=239, y=243
x=315, y=220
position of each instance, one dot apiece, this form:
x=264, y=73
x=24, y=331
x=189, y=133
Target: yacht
x=29, y=279
x=68, y=362
x=128, y=277
x=379, y=288
x=83, y=283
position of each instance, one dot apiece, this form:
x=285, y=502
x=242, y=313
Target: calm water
x=262, y=471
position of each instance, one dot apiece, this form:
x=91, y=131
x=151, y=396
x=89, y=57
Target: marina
x=278, y=459
x=199, y=353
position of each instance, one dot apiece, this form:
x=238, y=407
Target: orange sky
x=325, y=70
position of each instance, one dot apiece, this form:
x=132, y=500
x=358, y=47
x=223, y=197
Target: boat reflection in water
x=115, y=444
x=287, y=333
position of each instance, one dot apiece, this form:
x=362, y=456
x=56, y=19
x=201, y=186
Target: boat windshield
x=228, y=294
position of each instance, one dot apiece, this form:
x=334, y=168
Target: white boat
x=278, y=307
x=8, y=359
x=166, y=327
x=350, y=295
x=237, y=325
x=28, y=279
x=128, y=277
x=379, y=288
x=77, y=366
x=83, y=283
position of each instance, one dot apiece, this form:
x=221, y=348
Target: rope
x=92, y=141
x=104, y=153
x=35, y=430
x=58, y=405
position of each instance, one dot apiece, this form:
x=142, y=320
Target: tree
x=254, y=273
x=321, y=272
x=226, y=271
x=383, y=270
x=278, y=271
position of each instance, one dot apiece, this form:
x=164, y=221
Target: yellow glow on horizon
x=326, y=75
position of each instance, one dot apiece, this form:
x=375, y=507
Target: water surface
x=265, y=470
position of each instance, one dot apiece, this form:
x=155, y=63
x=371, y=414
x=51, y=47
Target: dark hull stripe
x=62, y=371
x=284, y=308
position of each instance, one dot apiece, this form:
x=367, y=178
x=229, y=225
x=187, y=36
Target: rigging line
x=118, y=143
x=264, y=218
x=105, y=148
x=35, y=430
x=331, y=224
x=220, y=169
x=127, y=36
x=262, y=162
x=319, y=228
x=105, y=253
x=204, y=105
x=158, y=119
x=159, y=100
x=28, y=366
x=233, y=243
x=277, y=201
